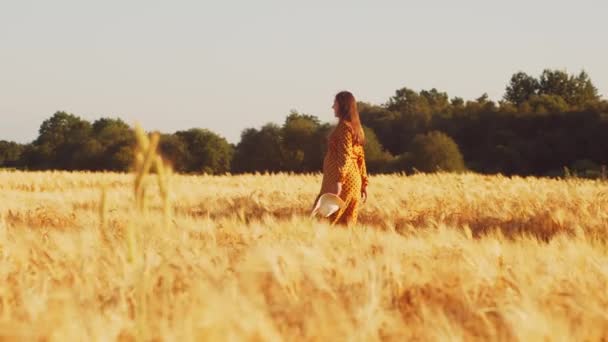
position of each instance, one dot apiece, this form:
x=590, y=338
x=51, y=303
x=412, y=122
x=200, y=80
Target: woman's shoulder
x=345, y=127
x=341, y=131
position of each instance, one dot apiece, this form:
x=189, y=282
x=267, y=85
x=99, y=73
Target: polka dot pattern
x=345, y=163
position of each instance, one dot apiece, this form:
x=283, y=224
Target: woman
x=344, y=170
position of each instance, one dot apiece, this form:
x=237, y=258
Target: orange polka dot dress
x=344, y=162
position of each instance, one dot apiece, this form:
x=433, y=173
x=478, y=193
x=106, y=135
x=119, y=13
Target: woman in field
x=344, y=170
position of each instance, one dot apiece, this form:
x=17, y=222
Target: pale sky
x=229, y=65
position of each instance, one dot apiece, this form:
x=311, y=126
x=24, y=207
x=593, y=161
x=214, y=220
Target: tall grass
x=435, y=257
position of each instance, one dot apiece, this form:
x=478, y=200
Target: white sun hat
x=327, y=204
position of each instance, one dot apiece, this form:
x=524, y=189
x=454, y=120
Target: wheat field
x=230, y=258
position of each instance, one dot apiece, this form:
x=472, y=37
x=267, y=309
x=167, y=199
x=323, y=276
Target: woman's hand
x=364, y=194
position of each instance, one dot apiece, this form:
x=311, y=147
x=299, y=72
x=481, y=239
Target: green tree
x=376, y=157
x=576, y=90
x=407, y=100
x=10, y=153
x=521, y=87
x=434, y=151
x=207, y=152
x=416, y=114
x=63, y=140
x=555, y=82
x=584, y=91
x=115, y=141
x=322, y=137
x=174, y=151
x=457, y=102
x=383, y=122
x=436, y=100
x=259, y=151
x=88, y=156
x=302, y=148
x=543, y=104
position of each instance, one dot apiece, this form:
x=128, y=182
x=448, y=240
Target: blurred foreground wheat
x=435, y=257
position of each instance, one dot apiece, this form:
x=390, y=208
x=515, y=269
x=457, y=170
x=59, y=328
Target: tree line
x=543, y=126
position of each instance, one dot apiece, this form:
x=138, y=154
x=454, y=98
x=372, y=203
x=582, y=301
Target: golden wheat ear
x=146, y=157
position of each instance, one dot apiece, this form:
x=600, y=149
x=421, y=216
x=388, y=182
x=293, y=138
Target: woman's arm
x=364, y=177
x=363, y=170
x=342, y=151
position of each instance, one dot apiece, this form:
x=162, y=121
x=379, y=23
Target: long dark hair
x=348, y=112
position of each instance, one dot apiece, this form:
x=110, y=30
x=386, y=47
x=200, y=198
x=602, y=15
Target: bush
x=436, y=151
x=377, y=159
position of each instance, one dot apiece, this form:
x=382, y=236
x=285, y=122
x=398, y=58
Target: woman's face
x=335, y=107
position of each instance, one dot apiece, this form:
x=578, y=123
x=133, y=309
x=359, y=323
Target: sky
x=229, y=65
